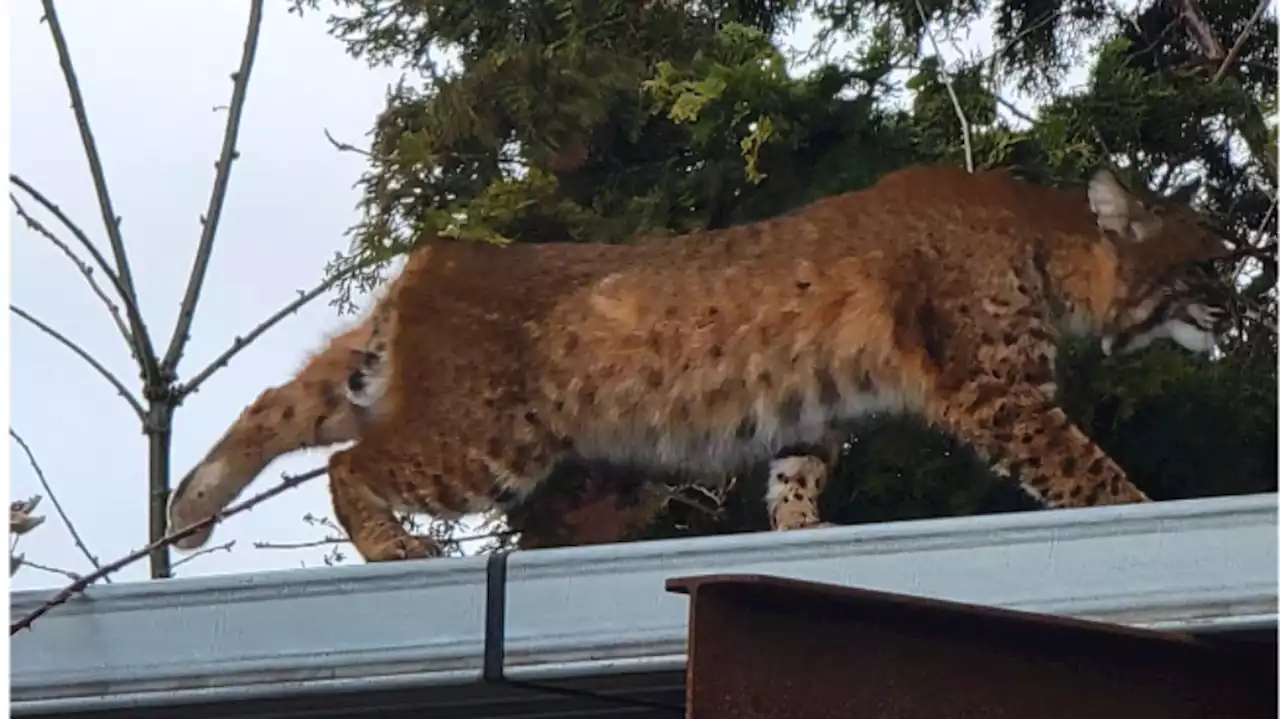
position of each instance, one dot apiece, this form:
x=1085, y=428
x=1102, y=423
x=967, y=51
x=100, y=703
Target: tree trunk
x=159, y=432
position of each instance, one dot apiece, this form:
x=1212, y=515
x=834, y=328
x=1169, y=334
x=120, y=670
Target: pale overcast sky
x=151, y=72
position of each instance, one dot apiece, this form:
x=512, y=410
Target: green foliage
x=569, y=121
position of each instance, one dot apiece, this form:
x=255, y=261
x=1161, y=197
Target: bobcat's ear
x=1119, y=211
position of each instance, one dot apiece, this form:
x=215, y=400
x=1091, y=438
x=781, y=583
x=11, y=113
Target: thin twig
x=325, y=541
x=302, y=545
x=287, y=482
x=224, y=547
x=951, y=90
x=145, y=353
x=81, y=265
x=1236, y=48
x=345, y=147
x=75, y=230
x=672, y=494
x=106, y=373
x=57, y=506
x=1031, y=27
x=181, y=333
x=51, y=570
x=478, y=537
x=241, y=342
x=1016, y=111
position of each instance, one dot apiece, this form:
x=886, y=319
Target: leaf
x=21, y=522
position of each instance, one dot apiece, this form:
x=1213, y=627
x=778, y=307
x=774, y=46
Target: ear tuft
x=1119, y=211
x=1110, y=202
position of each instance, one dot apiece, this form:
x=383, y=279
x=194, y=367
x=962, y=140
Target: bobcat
x=935, y=291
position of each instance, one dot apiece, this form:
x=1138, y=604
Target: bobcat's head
x=1167, y=253
x=1192, y=305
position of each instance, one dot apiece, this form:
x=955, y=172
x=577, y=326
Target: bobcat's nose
x=356, y=382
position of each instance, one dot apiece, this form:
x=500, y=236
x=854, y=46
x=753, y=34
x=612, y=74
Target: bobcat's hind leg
x=1023, y=433
x=797, y=476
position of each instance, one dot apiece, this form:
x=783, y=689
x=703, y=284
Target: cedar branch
x=78, y=586
x=181, y=332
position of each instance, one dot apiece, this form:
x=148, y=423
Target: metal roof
x=347, y=641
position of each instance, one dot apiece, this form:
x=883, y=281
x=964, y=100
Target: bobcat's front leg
x=1023, y=433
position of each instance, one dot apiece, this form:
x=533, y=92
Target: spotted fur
x=934, y=292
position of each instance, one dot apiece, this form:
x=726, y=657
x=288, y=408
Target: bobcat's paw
x=807, y=524
x=406, y=547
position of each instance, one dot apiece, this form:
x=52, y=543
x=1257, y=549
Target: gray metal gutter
x=591, y=612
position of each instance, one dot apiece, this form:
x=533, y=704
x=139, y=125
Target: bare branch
x=302, y=545
x=326, y=541
x=241, y=342
x=24, y=562
x=478, y=537
x=1234, y=53
x=78, y=586
x=345, y=147
x=181, y=333
x=1016, y=111
x=1199, y=29
x=145, y=354
x=322, y=521
x=106, y=373
x=224, y=547
x=998, y=53
x=1201, y=34
x=84, y=268
x=76, y=231
x=951, y=90
x=57, y=506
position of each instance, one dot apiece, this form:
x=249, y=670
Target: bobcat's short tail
x=312, y=410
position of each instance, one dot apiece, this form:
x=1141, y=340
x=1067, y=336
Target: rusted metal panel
x=765, y=647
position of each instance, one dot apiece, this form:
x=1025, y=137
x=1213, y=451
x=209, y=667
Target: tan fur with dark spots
x=935, y=292
x=311, y=410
